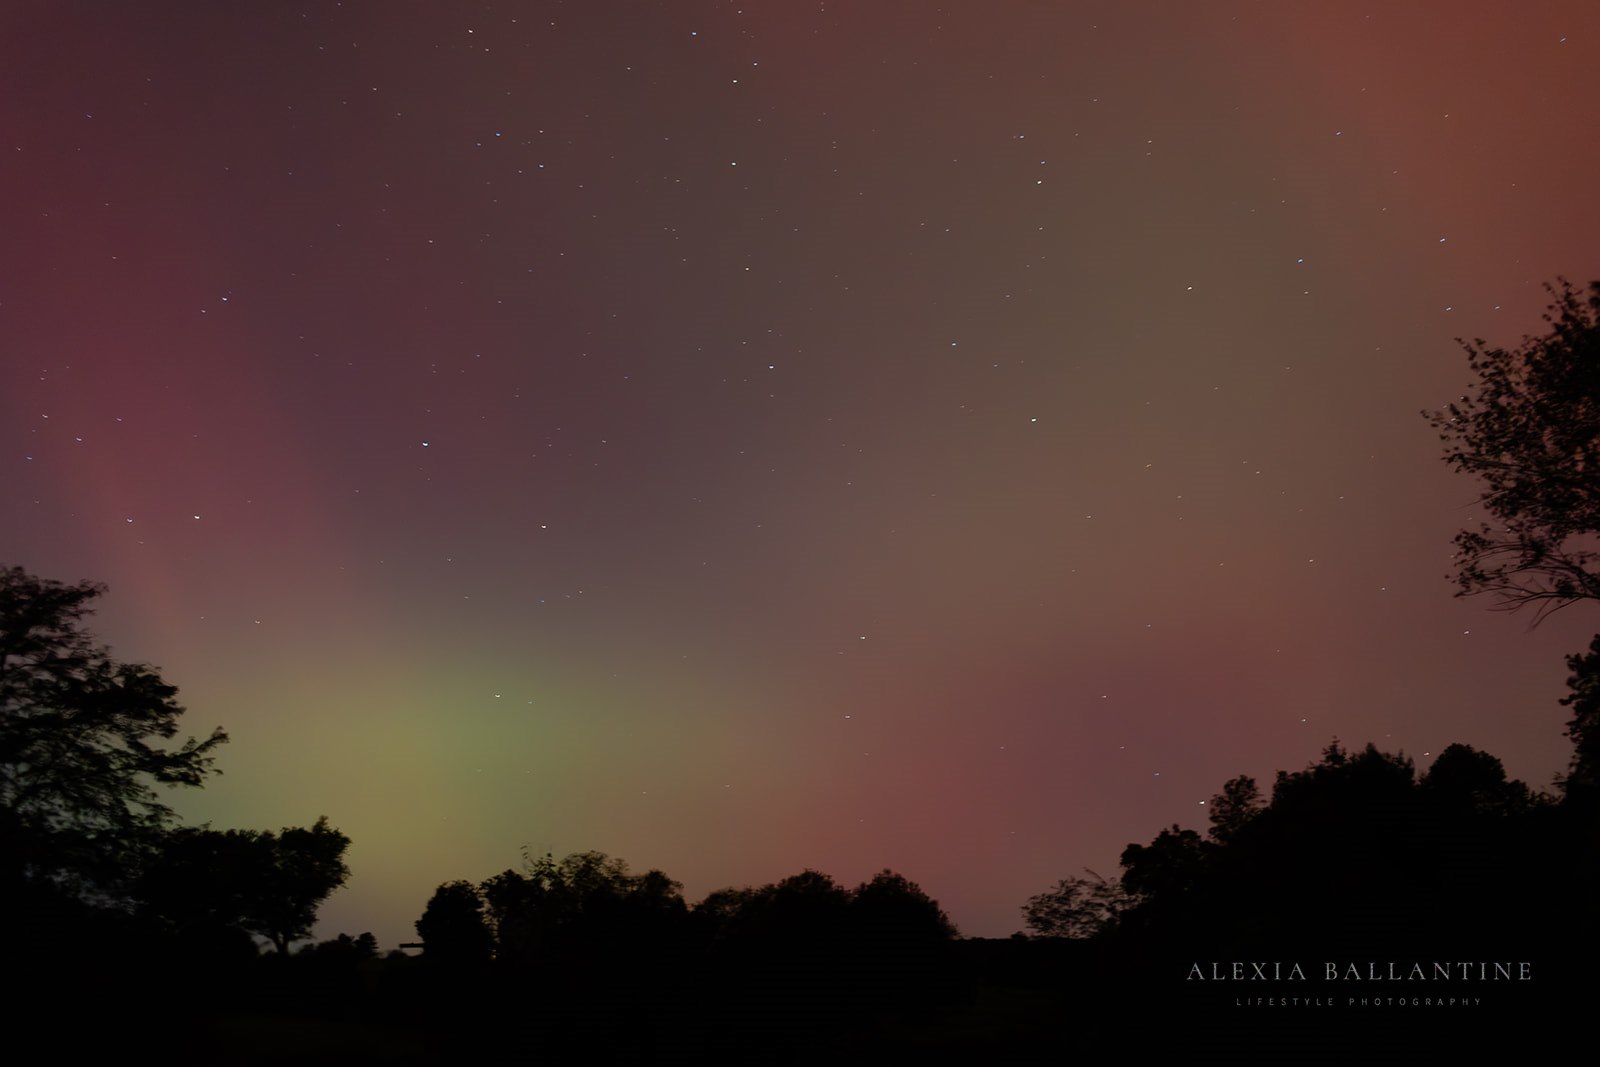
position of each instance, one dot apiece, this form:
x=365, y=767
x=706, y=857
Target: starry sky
x=742, y=437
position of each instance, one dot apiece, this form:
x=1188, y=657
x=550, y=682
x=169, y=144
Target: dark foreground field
x=980, y=1002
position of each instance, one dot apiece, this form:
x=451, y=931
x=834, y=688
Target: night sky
x=742, y=437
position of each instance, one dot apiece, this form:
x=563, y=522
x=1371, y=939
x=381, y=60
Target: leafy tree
x=891, y=907
x=897, y=954
x=723, y=914
x=266, y=884
x=1531, y=432
x=1167, y=867
x=581, y=900
x=81, y=745
x=1232, y=809
x=1583, y=775
x=1344, y=793
x=1469, y=782
x=453, y=927
x=810, y=893
x=343, y=949
x=300, y=868
x=1356, y=833
x=1078, y=908
x=201, y=882
x=812, y=909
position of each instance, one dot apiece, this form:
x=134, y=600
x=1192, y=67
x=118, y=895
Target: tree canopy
x=81, y=744
x=256, y=881
x=453, y=927
x=1357, y=845
x=559, y=906
x=1531, y=431
x=1078, y=907
x=890, y=905
x=1582, y=779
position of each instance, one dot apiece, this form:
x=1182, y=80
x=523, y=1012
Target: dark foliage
x=1355, y=850
x=580, y=909
x=889, y=908
x=594, y=956
x=453, y=928
x=1356, y=856
x=82, y=746
x=1078, y=908
x=1531, y=432
x=256, y=881
x=1233, y=809
x=1582, y=781
x=344, y=949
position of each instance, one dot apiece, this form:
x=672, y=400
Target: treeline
x=587, y=948
x=1355, y=859
x=1357, y=863
x=1356, y=851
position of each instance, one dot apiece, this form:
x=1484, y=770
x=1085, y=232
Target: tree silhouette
x=344, y=949
x=812, y=910
x=890, y=908
x=1583, y=775
x=300, y=867
x=266, y=884
x=1078, y=908
x=1355, y=849
x=80, y=745
x=1531, y=432
x=1233, y=809
x=1167, y=867
x=1470, y=782
x=576, y=905
x=453, y=928
x=808, y=905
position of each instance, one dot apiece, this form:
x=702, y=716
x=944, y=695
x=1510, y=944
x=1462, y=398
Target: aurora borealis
x=747, y=437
